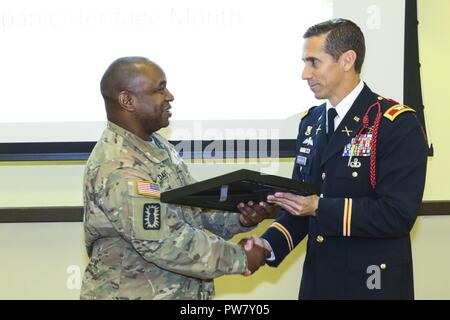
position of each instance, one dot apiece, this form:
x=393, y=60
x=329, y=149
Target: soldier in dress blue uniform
x=368, y=156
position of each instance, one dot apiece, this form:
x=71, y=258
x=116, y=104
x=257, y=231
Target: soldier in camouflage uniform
x=140, y=248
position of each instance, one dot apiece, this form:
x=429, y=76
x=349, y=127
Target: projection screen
x=233, y=66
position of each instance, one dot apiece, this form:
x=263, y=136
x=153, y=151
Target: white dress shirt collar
x=344, y=106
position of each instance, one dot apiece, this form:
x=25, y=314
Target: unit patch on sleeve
x=151, y=216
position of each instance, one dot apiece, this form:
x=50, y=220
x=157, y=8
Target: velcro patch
x=148, y=188
x=395, y=111
x=151, y=217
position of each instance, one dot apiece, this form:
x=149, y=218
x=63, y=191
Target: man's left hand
x=295, y=204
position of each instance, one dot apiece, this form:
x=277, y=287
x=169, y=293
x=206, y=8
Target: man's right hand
x=256, y=254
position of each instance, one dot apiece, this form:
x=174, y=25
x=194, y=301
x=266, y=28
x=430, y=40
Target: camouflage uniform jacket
x=140, y=248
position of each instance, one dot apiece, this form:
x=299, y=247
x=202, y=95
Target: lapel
x=340, y=138
x=321, y=138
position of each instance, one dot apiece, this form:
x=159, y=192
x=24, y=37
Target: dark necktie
x=331, y=115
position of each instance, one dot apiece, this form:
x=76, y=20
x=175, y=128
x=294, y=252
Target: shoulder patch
x=148, y=188
x=394, y=111
x=151, y=216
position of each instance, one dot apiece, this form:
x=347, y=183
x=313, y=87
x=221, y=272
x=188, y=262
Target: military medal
x=359, y=146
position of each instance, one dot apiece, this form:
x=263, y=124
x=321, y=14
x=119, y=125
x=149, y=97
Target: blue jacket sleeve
x=287, y=231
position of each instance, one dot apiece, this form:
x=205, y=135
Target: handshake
x=256, y=251
x=255, y=248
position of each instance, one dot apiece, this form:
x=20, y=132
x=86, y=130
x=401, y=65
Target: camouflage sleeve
x=223, y=224
x=160, y=234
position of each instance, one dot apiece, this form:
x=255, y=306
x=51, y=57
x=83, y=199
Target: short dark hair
x=119, y=76
x=343, y=35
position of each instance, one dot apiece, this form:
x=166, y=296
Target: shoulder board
x=307, y=112
x=304, y=114
x=394, y=111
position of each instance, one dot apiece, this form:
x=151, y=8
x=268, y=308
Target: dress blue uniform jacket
x=358, y=231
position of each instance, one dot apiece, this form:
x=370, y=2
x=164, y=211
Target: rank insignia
x=358, y=147
x=397, y=110
x=309, y=142
x=148, y=188
x=152, y=216
x=308, y=131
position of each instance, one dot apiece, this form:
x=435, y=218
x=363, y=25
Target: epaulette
x=304, y=114
x=396, y=110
